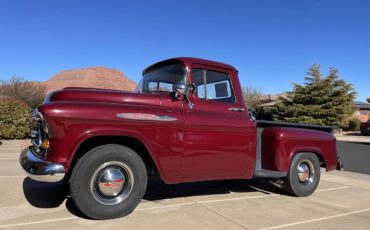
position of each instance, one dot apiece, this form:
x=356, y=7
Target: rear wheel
x=304, y=175
x=109, y=181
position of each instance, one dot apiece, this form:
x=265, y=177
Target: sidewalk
x=353, y=137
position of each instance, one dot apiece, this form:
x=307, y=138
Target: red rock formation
x=92, y=77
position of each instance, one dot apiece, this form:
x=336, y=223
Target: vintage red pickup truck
x=185, y=122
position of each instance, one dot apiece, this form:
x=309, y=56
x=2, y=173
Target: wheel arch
x=316, y=152
x=131, y=142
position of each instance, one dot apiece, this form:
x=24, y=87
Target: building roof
x=362, y=105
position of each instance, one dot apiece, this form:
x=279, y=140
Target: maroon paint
x=218, y=143
x=279, y=145
x=71, y=123
x=207, y=142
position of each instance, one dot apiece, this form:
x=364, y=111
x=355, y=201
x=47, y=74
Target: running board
x=269, y=173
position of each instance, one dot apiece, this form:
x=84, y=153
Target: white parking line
x=15, y=176
x=75, y=217
x=185, y=204
x=264, y=196
x=331, y=189
x=37, y=222
x=165, y=206
x=237, y=198
x=318, y=219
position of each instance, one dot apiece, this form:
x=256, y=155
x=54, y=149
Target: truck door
x=218, y=136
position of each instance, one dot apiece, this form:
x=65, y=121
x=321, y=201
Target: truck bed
x=261, y=125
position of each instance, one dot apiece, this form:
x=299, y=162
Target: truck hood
x=75, y=94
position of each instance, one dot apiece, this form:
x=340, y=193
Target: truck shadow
x=49, y=195
x=157, y=190
x=53, y=195
x=44, y=195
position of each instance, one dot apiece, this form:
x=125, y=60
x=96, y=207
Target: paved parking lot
x=341, y=202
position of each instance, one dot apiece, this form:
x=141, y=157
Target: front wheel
x=304, y=175
x=109, y=181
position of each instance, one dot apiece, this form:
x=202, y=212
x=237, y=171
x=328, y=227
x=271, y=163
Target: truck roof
x=191, y=60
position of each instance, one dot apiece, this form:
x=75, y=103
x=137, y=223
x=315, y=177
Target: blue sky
x=271, y=43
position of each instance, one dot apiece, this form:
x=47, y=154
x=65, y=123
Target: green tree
x=320, y=100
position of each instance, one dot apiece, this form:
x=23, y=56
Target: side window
x=212, y=85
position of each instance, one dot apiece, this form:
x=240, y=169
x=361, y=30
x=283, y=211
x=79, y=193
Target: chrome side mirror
x=179, y=89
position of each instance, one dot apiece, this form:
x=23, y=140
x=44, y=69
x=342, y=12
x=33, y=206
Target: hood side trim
x=145, y=117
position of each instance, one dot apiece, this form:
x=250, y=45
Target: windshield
x=161, y=78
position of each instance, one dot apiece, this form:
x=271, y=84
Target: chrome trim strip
x=145, y=117
x=40, y=170
x=236, y=109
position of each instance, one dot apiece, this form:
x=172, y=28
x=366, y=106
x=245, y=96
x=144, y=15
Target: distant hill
x=92, y=77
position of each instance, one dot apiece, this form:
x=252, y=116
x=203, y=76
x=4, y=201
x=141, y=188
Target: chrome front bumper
x=40, y=170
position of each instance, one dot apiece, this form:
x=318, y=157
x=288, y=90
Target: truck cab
x=216, y=135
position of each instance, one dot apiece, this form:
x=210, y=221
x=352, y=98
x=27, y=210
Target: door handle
x=236, y=109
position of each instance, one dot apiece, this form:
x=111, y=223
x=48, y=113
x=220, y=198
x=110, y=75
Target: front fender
x=65, y=154
x=108, y=131
x=70, y=124
x=65, y=145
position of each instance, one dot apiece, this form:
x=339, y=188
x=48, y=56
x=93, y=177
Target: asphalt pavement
x=355, y=156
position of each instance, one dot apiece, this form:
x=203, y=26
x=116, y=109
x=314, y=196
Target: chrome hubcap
x=306, y=172
x=111, y=183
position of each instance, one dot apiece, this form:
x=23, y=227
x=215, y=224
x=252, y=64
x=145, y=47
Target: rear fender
x=280, y=145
